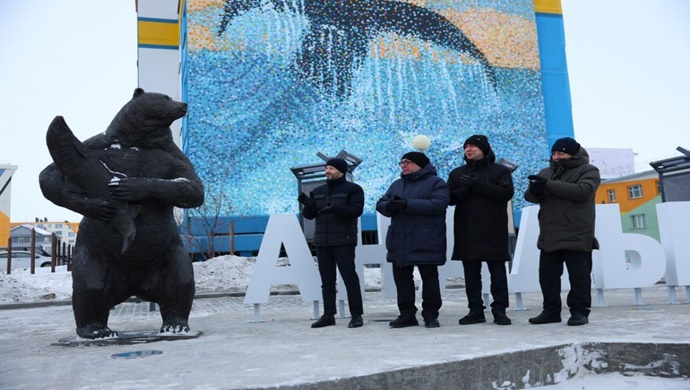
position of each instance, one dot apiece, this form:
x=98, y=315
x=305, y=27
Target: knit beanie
x=418, y=158
x=338, y=163
x=479, y=141
x=567, y=145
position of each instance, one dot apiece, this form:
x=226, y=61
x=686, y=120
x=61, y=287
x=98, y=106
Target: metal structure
x=674, y=177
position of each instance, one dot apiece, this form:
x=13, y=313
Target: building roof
x=27, y=226
x=633, y=177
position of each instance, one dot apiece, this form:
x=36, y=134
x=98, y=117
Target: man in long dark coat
x=480, y=190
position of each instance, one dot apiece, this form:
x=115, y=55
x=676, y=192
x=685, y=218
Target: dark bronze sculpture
x=126, y=182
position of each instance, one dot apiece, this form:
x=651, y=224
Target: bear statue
x=126, y=182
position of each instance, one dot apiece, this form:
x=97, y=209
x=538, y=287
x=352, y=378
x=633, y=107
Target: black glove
x=468, y=180
x=306, y=201
x=326, y=210
x=537, y=184
x=396, y=205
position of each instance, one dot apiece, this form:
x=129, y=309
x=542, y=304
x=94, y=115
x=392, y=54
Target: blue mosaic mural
x=273, y=82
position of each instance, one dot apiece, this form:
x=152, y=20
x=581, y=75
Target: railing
x=60, y=253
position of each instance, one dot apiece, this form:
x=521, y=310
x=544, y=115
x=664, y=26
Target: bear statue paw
x=95, y=332
x=174, y=328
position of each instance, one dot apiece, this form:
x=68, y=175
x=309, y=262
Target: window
x=635, y=191
x=58, y=226
x=612, y=195
x=638, y=221
x=20, y=239
x=658, y=187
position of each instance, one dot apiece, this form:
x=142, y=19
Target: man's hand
x=396, y=205
x=307, y=201
x=537, y=184
x=129, y=189
x=468, y=181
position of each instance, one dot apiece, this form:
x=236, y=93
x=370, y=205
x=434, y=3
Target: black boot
x=474, y=317
x=356, y=322
x=577, y=319
x=500, y=317
x=545, y=318
x=403, y=322
x=325, y=320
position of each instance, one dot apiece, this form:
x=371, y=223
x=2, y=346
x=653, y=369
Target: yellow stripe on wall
x=548, y=6
x=4, y=229
x=157, y=33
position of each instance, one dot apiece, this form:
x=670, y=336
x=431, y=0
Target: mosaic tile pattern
x=273, y=82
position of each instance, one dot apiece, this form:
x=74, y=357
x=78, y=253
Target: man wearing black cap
x=565, y=193
x=336, y=206
x=481, y=189
x=416, y=204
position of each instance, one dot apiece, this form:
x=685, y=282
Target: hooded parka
x=567, y=209
x=417, y=235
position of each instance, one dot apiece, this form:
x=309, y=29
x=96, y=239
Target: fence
x=60, y=253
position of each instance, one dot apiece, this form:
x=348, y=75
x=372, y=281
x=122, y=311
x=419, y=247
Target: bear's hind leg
x=177, y=295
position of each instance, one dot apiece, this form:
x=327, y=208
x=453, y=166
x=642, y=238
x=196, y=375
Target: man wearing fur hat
x=481, y=189
x=565, y=193
x=416, y=204
x=336, y=206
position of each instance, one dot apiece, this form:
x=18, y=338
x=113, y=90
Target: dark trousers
x=473, y=285
x=343, y=257
x=431, y=290
x=579, y=265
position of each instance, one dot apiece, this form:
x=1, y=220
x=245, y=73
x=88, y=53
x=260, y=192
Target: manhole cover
x=136, y=354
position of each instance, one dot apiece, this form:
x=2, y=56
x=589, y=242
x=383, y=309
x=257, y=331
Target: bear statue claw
x=95, y=332
x=170, y=328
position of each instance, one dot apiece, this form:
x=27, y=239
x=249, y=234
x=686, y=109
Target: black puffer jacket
x=337, y=225
x=481, y=213
x=567, y=211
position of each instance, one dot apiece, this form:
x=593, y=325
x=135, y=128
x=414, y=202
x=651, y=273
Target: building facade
x=268, y=88
x=65, y=231
x=637, y=196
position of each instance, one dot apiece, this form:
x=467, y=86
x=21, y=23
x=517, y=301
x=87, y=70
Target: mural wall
x=272, y=82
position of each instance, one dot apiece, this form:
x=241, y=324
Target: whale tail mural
x=340, y=33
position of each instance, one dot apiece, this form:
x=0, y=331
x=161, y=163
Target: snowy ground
x=232, y=274
x=220, y=274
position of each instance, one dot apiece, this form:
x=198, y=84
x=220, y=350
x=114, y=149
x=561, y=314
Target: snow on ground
x=220, y=274
x=617, y=381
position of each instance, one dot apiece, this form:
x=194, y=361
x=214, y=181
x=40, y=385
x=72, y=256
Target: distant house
x=637, y=196
x=20, y=236
x=65, y=230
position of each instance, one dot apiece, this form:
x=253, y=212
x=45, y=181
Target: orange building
x=637, y=196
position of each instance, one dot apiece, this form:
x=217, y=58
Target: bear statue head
x=147, y=116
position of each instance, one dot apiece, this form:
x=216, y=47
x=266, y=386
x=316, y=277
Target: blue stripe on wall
x=556, y=88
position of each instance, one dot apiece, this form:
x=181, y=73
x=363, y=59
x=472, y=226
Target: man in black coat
x=481, y=190
x=336, y=206
x=565, y=193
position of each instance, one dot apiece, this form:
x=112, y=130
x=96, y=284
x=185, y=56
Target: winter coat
x=481, y=212
x=566, y=213
x=417, y=235
x=336, y=225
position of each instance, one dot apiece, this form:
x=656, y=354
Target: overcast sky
x=628, y=64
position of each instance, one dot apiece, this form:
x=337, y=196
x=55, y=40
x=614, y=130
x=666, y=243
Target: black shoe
x=403, y=322
x=474, y=317
x=500, y=318
x=577, y=319
x=545, y=318
x=356, y=322
x=325, y=320
x=432, y=323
